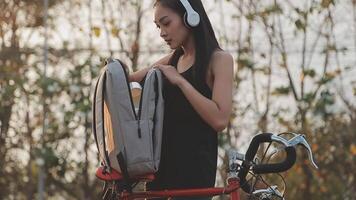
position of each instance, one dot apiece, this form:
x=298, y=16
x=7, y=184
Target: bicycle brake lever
x=279, y=139
x=272, y=190
x=300, y=139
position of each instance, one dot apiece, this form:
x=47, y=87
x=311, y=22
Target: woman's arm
x=216, y=111
x=140, y=74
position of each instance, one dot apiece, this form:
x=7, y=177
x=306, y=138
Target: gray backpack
x=128, y=142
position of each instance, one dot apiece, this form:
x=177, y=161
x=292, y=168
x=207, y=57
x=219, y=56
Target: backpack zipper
x=132, y=104
x=140, y=107
x=128, y=87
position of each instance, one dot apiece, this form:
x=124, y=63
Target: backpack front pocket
x=139, y=150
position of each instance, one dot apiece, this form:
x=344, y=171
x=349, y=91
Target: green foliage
x=48, y=155
x=326, y=78
x=308, y=97
x=282, y=90
x=326, y=99
x=309, y=72
x=246, y=63
x=275, y=9
x=250, y=16
x=300, y=24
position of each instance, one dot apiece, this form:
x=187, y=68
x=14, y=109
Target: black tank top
x=189, y=145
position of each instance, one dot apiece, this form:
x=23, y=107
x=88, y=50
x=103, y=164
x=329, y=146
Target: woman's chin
x=171, y=46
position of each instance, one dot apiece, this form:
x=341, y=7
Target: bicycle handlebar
x=264, y=168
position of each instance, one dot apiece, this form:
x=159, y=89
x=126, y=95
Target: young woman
x=198, y=79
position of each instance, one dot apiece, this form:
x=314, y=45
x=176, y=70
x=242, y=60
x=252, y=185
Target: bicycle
x=116, y=188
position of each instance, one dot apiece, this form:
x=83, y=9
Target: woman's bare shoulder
x=221, y=59
x=221, y=54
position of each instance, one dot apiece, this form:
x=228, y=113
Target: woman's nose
x=163, y=33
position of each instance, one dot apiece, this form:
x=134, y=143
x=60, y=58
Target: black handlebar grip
x=255, y=143
x=250, y=155
x=278, y=167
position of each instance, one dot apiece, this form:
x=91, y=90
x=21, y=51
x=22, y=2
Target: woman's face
x=171, y=25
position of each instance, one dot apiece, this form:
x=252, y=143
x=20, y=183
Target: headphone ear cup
x=191, y=18
x=185, y=20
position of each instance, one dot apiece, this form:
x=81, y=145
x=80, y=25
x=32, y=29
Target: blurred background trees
x=295, y=71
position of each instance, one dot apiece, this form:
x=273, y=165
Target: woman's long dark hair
x=204, y=37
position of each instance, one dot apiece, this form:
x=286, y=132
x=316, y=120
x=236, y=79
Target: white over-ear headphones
x=191, y=17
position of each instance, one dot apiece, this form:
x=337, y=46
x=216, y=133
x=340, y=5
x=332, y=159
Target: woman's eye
x=164, y=24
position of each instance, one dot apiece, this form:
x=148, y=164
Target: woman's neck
x=189, y=47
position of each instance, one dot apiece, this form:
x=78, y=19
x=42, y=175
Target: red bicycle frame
x=232, y=188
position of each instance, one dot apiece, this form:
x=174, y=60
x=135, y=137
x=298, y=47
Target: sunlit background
x=294, y=71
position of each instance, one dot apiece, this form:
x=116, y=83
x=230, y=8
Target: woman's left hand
x=170, y=72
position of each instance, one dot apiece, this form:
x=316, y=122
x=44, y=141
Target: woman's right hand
x=138, y=75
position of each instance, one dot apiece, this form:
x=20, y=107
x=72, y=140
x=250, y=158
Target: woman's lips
x=168, y=41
